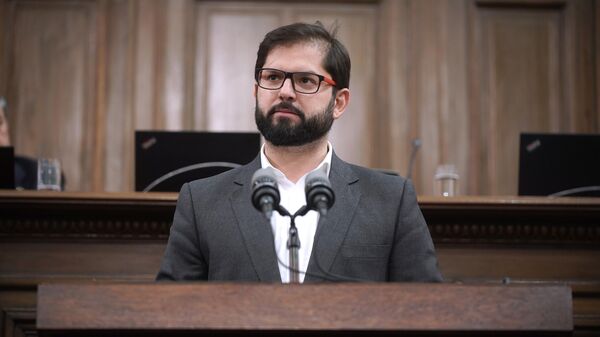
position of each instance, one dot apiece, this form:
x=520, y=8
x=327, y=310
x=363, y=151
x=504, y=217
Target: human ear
x=342, y=97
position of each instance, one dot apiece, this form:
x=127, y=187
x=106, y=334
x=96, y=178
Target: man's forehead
x=307, y=54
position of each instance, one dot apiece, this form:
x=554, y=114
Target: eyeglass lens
x=303, y=82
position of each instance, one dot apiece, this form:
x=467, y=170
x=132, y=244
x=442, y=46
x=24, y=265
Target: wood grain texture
x=52, y=84
x=463, y=76
x=4, y=27
x=527, y=61
x=118, y=136
x=229, y=35
x=339, y=307
x=438, y=95
x=104, y=237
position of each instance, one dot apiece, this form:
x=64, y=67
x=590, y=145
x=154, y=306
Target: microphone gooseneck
x=319, y=197
x=416, y=144
x=265, y=193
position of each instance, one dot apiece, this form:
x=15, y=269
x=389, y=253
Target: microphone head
x=265, y=189
x=319, y=194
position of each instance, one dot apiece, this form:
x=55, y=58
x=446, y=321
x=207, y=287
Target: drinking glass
x=48, y=175
x=445, y=181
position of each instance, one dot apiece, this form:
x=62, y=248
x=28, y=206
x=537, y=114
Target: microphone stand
x=293, y=243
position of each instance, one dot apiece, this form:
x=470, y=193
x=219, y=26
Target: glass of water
x=445, y=181
x=48, y=175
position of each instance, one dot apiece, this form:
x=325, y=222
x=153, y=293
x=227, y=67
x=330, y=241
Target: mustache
x=286, y=106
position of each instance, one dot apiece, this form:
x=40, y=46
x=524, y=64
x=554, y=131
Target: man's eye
x=273, y=77
x=307, y=80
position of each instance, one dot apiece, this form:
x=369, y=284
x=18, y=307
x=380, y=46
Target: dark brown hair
x=336, y=60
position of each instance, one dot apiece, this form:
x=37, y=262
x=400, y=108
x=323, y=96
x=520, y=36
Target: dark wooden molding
x=513, y=220
x=47, y=215
x=148, y=216
x=19, y=322
x=54, y=224
x=521, y=3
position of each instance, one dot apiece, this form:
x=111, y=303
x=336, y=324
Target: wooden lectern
x=190, y=309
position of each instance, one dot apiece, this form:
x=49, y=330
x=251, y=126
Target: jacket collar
x=256, y=230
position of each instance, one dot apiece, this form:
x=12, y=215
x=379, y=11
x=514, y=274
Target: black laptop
x=165, y=160
x=559, y=164
x=7, y=167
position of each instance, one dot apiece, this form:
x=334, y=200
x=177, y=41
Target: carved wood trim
x=86, y=216
x=139, y=216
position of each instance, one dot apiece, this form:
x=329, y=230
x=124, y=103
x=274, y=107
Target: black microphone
x=319, y=194
x=265, y=193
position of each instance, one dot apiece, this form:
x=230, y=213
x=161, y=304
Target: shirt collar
x=326, y=161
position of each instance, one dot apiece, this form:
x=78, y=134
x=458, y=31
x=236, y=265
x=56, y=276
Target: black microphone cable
x=323, y=274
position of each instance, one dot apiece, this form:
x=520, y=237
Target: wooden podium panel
x=308, y=309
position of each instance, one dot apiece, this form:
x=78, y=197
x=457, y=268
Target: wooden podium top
x=246, y=308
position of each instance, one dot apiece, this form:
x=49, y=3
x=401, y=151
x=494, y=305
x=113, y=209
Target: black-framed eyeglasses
x=302, y=82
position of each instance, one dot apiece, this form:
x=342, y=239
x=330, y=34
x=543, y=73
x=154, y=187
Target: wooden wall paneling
x=52, y=85
x=200, y=66
x=477, y=145
x=394, y=133
x=428, y=88
x=158, y=92
x=438, y=93
x=233, y=32
x=98, y=137
x=144, y=64
x=118, y=146
x=176, y=41
x=159, y=76
x=353, y=134
x=5, y=23
x=228, y=37
x=455, y=145
x=159, y=32
x=423, y=65
x=516, y=86
x=580, y=64
x=190, y=38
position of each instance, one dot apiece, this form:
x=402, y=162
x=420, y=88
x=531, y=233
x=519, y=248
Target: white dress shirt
x=292, y=198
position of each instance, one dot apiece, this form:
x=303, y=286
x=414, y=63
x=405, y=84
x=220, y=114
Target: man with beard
x=373, y=232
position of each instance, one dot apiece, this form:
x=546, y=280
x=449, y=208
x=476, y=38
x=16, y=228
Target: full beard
x=285, y=132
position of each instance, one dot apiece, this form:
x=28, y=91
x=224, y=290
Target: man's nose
x=287, y=91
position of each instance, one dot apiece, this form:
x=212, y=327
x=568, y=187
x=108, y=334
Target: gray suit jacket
x=375, y=231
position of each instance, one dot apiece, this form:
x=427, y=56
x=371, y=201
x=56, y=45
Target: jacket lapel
x=256, y=230
x=332, y=230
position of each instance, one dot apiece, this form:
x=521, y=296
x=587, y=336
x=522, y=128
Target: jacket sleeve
x=183, y=259
x=413, y=255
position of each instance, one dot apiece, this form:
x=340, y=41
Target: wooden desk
x=243, y=309
x=67, y=237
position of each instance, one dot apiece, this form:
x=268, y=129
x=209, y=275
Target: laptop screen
x=559, y=164
x=165, y=160
x=7, y=167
